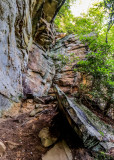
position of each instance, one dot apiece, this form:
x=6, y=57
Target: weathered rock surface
x=96, y=135
x=27, y=69
x=71, y=50
x=43, y=16
x=59, y=152
x=21, y=21
x=66, y=53
x=11, y=57
x=40, y=73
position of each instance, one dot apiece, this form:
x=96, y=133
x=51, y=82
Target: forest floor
x=19, y=133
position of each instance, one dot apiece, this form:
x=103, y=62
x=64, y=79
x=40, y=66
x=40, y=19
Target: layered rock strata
x=21, y=22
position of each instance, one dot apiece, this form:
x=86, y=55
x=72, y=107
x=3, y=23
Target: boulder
x=96, y=135
x=59, y=152
x=46, y=138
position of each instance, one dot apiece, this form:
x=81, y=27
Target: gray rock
x=40, y=73
x=15, y=39
x=20, y=22
x=94, y=133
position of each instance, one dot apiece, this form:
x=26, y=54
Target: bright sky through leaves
x=82, y=6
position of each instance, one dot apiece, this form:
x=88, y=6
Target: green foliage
x=103, y=156
x=102, y=134
x=64, y=17
x=64, y=59
x=95, y=28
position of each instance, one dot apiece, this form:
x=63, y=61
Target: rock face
x=96, y=135
x=41, y=71
x=28, y=68
x=11, y=56
x=43, y=16
x=66, y=53
x=21, y=21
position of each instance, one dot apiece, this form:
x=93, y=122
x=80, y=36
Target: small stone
x=12, y=145
x=30, y=101
x=46, y=139
x=2, y=149
x=38, y=106
x=38, y=100
x=35, y=111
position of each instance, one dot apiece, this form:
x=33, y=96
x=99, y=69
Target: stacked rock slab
x=66, y=53
x=96, y=135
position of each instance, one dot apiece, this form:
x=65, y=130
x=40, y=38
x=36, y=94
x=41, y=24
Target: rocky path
x=20, y=133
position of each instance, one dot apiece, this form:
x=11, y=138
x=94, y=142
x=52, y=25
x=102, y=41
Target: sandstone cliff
x=21, y=23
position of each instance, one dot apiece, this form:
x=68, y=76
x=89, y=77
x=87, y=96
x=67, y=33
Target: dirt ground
x=20, y=132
